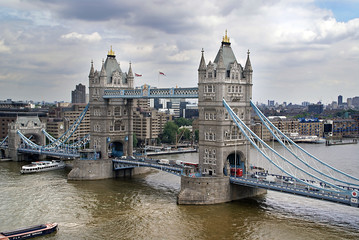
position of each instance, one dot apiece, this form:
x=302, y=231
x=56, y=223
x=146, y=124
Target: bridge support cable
x=4, y=141
x=82, y=142
x=58, y=146
x=78, y=144
x=284, y=165
x=61, y=140
x=48, y=136
x=73, y=146
x=307, y=159
x=28, y=141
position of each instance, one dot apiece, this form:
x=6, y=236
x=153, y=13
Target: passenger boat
x=29, y=232
x=42, y=166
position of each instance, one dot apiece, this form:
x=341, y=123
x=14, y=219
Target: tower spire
x=111, y=53
x=226, y=39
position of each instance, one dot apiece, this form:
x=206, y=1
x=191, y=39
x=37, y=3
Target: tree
x=135, y=141
x=196, y=135
x=183, y=122
x=169, y=132
x=186, y=134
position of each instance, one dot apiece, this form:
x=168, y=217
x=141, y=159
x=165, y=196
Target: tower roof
x=227, y=53
x=111, y=65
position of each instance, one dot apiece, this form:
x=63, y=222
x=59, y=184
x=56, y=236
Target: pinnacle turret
x=220, y=64
x=103, y=70
x=92, y=71
x=130, y=77
x=130, y=73
x=248, y=66
x=202, y=64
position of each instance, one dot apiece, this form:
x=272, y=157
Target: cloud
x=294, y=44
x=94, y=37
x=3, y=47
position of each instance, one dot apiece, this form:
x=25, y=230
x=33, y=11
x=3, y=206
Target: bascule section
x=111, y=118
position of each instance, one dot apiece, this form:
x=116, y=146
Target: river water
x=144, y=207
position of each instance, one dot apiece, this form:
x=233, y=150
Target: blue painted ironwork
x=125, y=164
x=301, y=175
x=146, y=91
x=58, y=152
x=61, y=140
x=57, y=147
x=48, y=136
x=4, y=142
x=320, y=189
x=326, y=170
x=345, y=198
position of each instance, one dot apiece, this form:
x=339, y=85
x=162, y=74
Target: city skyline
x=300, y=50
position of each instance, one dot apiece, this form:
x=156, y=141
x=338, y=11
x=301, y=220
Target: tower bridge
x=224, y=173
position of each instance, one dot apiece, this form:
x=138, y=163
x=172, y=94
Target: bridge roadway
x=254, y=180
x=119, y=164
x=57, y=152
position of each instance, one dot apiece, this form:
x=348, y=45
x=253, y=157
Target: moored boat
x=29, y=232
x=41, y=166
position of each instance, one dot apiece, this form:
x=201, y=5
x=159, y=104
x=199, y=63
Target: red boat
x=29, y=232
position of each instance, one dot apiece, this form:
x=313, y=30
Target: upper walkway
x=146, y=91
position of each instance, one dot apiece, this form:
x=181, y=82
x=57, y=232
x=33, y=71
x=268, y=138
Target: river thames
x=144, y=207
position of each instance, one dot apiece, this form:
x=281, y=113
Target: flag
x=138, y=75
x=161, y=73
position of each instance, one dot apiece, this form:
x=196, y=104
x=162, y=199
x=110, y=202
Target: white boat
x=295, y=137
x=42, y=166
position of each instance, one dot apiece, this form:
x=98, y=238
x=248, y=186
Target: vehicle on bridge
x=164, y=161
x=270, y=179
x=238, y=172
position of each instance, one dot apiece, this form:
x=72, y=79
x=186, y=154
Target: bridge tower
x=221, y=146
x=111, y=119
x=31, y=127
x=220, y=142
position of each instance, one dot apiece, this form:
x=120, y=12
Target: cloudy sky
x=301, y=50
